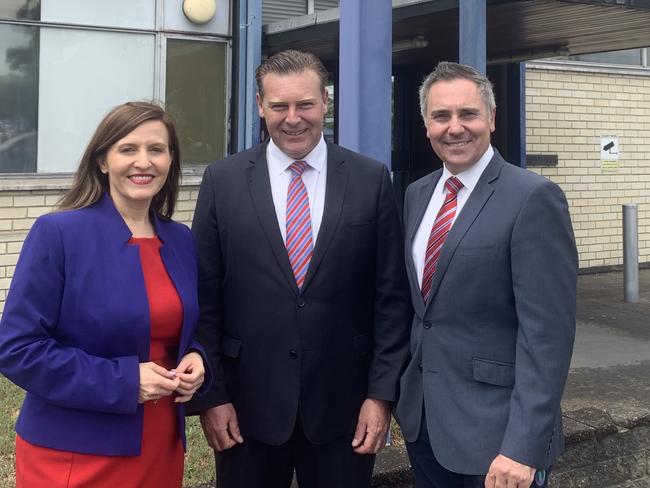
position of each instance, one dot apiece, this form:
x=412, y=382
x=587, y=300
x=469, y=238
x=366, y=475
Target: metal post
x=471, y=33
x=248, y=58
x=253, y=59
x=364, y=89
x=630, y=253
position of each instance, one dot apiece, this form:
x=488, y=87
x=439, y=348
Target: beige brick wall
x=566, y=113
x=19, y=210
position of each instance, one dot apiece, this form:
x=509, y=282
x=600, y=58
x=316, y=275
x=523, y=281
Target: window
x=19, y=52
x=64, y=65
x=629, y=57
x=20, y=9
x=137, y=14
x=196, y=95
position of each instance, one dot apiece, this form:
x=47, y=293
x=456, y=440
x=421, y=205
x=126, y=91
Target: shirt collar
x=280, y=162
x=469, y=178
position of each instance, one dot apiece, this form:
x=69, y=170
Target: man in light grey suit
x=492, y=265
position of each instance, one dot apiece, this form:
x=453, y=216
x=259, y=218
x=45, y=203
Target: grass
x=199, y=460
x=12, y=397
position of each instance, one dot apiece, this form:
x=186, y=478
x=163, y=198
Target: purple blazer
x=76, y=326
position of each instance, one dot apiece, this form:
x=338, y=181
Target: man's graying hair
x=447, y=71
x=288, y=62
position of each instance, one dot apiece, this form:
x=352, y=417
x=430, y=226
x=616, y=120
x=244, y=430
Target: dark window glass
x=196, y=97
x=19, y=49
x=20, y=9
x=328, y=125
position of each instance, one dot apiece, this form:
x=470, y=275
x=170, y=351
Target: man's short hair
x=289, y=62
x=447, y=71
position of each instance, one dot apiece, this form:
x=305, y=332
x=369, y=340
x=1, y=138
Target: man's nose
x=455, y=126
x=292, y=116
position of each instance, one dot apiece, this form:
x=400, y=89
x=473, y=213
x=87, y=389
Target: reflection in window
x=627, y=57
x=19, y=51
x=83, y=74
x=328, y=123
x=20, y=9
x=138, y=14
x=196, y=98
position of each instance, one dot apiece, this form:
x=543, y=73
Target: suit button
x=427, y=324
x=293, y=354
x=420, y=367
x=301, y=302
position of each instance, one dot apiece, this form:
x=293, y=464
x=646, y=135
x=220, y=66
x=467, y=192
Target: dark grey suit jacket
x=275, y=350
x=491, y=350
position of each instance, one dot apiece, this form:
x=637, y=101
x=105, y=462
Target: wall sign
x=609, y=151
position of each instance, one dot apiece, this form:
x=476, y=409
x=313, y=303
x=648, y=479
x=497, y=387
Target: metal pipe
x=630, y=253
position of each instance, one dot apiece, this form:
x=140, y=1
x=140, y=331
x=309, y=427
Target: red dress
x=160, y=464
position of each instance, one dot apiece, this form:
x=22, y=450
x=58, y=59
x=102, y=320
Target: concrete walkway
x=610, y=368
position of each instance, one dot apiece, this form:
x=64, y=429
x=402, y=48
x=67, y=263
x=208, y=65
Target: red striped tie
x=299, y=239
x=439, y=231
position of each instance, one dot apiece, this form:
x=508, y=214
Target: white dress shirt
x=314, y=178
x=468, y=178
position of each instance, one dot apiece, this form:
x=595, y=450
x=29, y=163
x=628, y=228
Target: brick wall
x=566, y=113
x=19, y=210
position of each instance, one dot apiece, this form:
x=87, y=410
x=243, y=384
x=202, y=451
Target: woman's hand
x=190, y=372
x=156, y=382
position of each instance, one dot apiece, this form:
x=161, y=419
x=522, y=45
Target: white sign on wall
x=609, y=151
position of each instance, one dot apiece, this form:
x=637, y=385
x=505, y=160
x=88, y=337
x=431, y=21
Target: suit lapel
x=470, y=211
x=335, y=186
x=260, y=190
x=422, y=201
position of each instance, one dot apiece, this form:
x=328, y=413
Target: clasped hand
x=157, y=382
x=508, y=473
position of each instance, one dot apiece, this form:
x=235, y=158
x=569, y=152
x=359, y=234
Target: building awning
x=516, y=30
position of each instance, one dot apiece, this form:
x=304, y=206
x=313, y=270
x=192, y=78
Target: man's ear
x=260, y=109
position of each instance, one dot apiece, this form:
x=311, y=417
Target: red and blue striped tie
x=439, y=231
x=299, y=239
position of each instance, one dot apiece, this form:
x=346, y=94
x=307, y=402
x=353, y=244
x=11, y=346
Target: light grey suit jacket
x=491, y=350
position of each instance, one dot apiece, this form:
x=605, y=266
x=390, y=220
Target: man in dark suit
x=492, y=264
x=303, y=295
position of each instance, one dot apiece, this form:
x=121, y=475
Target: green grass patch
x=12, y=398
x=199, y=460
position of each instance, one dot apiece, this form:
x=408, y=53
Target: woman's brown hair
x=90, y=183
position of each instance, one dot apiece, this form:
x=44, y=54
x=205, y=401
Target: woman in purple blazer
x=98, y=323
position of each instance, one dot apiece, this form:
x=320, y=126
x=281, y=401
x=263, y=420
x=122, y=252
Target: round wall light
x=199, y=11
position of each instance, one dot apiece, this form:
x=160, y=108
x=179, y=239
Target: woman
x=98, y=323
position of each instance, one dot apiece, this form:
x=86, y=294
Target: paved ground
x=611, y=359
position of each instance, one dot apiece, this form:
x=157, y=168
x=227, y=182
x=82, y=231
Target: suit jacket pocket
x=360, y=226
x=230, y=346
x=476, y=251
x=362, y=344
x=493, y=372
